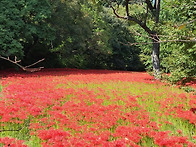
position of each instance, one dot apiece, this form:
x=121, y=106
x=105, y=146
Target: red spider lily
x=12, y=142
x=69, y=107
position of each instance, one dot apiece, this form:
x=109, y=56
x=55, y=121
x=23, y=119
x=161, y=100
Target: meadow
x=85, y=108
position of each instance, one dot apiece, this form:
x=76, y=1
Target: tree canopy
x=153, y=34
x=23, y=24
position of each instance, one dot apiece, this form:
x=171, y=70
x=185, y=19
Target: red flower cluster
x=11, y=142
x=70, y=107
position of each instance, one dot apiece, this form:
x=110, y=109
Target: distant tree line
x=87, y=34
x=67, y=34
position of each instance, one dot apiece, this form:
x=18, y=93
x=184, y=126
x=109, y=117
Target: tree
x=85, y=39
x=147, y=13
x=152, y=7
x=73, y=29
x=179, y=58
x=23, y=24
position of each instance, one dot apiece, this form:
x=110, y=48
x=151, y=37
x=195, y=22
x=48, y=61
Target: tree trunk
x=153, y=34
x=155, y=57
x=156, y=44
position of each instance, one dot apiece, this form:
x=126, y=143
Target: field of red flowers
x=85, y=108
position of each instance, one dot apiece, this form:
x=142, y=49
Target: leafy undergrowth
x=69, y=107
x=188, y=86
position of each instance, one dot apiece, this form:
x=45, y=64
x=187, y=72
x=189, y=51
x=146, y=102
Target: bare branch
x=35, y=63
x=115, y=13
x=146, y=36
x=164, y=41
x=33, y=69
x=132, y=19
x=188, y=38
x=178, y=36
x=14, y=62
x=26, y=68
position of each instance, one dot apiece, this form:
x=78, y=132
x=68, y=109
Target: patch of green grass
x=19, y=131
x=1, y=88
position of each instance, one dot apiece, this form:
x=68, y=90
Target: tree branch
x=164, y=41
x=127, y=8
x=35, y=63
x=26, y=68
x=115, y=13
x=14, y=62
x=186, y=38
x=157, y=10
x=132, y=19
x=149, y=4
x=146, y=36
x=155, y=3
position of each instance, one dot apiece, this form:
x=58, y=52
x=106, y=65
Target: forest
x=133, y=35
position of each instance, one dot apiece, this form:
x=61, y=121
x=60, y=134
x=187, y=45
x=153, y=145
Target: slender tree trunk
x=155, y=57
x=156, y=44
x=155, y=9
x=157, y=6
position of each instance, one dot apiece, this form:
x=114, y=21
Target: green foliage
x=179, y=58
x=85, y=34
x=76, y=34
x=23, y=24
x=124, y=56
x=73, y=29
x=113, y=33
x=181, y=62
x=177, y=23
x=98, y=40
x=189, y=89
x=10, y=26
